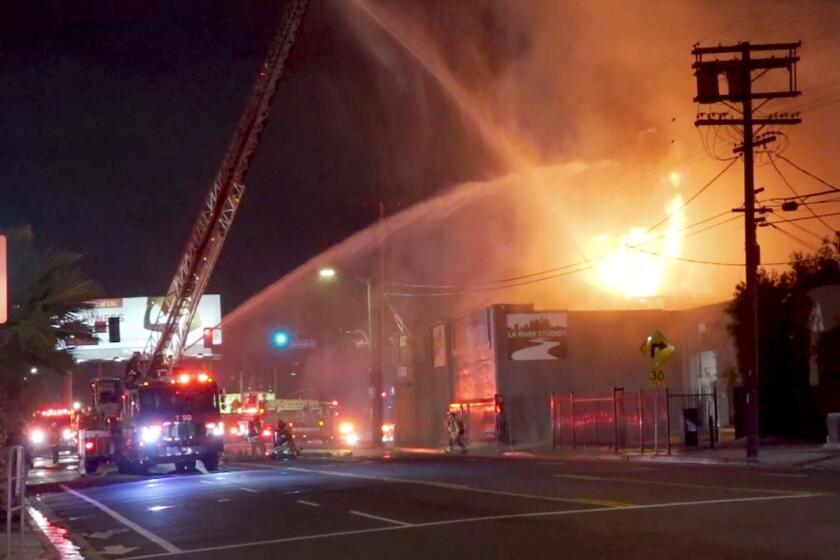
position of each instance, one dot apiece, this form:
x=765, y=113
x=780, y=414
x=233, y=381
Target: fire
x=636, y=263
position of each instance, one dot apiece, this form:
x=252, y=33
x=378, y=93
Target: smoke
x=573, y=127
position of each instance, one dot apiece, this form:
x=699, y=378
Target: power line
x=800, y=228
x=809, y=174
x=535, y=277
x=802, y=200
x=701, y=261
x=692, y=197
x=792, y=236
x=802, y=219
x=565, y=267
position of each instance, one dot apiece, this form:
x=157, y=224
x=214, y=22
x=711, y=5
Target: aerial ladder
x=166, y=343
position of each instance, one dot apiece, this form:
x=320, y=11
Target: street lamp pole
x=374, y=342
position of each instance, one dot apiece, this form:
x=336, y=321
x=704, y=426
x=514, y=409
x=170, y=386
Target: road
x=422, y=507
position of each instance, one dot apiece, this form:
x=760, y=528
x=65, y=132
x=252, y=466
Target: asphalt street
x=409, y=506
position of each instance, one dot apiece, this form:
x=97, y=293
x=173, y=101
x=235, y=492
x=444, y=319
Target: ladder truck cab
x=170, y=420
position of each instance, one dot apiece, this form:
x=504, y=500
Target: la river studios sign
x=537, y=336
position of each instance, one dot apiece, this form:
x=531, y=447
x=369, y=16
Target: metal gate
x=647, y=419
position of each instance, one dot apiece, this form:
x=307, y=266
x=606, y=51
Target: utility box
x=832, y=421
x=691, y=427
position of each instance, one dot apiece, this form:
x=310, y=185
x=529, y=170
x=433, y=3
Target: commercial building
x=523, y=355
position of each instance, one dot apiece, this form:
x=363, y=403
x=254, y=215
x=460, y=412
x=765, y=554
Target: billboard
x=537, y=336
x=122, y=326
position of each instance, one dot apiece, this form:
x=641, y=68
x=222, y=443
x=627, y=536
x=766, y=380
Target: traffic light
x=208, y=338
x=113, y=329
x=281, y=339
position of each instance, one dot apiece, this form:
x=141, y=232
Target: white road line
x=250, y=490
x=206, y=482
x=163, y=543
x=478, y=520
x=378, y=518
x=312, y=504
x=676, y=484
x=461, y=487
x=222, y=500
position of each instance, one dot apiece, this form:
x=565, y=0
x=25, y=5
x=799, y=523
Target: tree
x=786, y=404
x=47, y=289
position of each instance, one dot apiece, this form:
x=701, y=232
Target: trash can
x=691, y=426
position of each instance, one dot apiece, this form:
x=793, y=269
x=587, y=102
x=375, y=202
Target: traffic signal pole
x=738, y=72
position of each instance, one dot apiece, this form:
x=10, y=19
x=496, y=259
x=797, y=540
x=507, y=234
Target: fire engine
x=169, y=420
x=52, y=432
x=162, y=415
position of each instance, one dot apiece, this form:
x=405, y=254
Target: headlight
x=67, y=434
x=351, y=439
x=346, y=428
x=37, y=436
x=150, y=434
x=215, y=429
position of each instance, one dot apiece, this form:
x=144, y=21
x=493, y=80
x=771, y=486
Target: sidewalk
x=778, y=456
x=35, y=544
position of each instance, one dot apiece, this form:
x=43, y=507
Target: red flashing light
x=88, y=445
x=334, y=403
x=266, y=432
x=184, y=378
x=203, y=378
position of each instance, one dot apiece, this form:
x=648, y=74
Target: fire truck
x=314, y=423
x=160, y=414
x=52, y=432
x=169, y=420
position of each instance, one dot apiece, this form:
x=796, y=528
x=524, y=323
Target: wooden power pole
x=732, y=81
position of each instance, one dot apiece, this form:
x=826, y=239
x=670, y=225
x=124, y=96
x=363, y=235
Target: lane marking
x=379, y=518
x=222, y=500
x=464, y=488
x=163, y=543
x=251, y=490
x=676, y=484
x=477, y=520
x=306, y=503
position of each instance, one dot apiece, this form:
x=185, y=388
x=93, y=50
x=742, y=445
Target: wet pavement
x=422, y=506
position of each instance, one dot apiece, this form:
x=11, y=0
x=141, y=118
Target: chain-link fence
x=646, y=420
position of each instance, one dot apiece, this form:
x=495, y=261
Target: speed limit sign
x=656, y=377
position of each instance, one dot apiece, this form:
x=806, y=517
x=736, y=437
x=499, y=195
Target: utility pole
x=737, y=74
x=377, y=336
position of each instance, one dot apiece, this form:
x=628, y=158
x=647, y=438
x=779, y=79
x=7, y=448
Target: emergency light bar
x=187, y=378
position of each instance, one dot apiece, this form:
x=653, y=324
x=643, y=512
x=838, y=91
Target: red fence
x=647, y=419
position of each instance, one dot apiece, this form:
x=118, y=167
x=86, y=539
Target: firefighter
x=255, y=436
x=284, y=441
x=455, y=427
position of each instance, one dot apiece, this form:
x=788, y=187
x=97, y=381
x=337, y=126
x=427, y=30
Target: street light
x=374, y=356
x=329, y=273
x=34, y=371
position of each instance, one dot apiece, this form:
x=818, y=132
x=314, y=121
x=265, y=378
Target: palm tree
x=47, y=290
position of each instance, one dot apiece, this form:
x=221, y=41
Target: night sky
x=116, y=115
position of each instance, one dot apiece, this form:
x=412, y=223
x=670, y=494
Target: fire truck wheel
x=211, y=462
x=91, y=465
